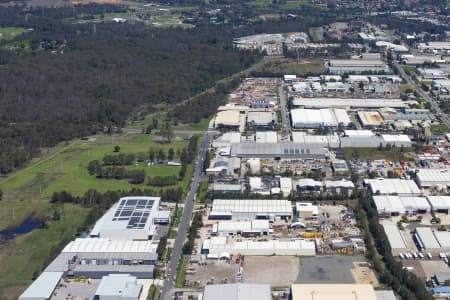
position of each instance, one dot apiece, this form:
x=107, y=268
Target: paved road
x=167, y=290
x=434, y=105
x=284, y=111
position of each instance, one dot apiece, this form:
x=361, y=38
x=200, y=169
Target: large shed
x=395, y=238
x=433, y=177
x=43, y=287
x=250, y=209
x=237, y=291
x=440, y=204
x=389, y=186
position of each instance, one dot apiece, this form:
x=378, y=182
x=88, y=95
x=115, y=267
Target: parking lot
x=328, y=269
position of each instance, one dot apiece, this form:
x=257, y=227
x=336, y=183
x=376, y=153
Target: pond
x=29, y=224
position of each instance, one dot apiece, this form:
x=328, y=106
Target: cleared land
x=374, y=153
x=329, y=269
x=278, y=271
x=28, y=190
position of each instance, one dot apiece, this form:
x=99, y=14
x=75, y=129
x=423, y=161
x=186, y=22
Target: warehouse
x=370, y=118
x=315, y=118
x=227, y=209
x=316, y=291
x=426, y=240
x=308, y=185
x=224, y=247
x=251, y=228
x=261, y=120
x=440, y=204
x=386, y=186
x=306, y=212
x=443, y=238
x=130, y=218
x=226, y=139
x=331, y=140
x=237, y=291
x=388, y=205
x=396, y=140
x=348, y=103
x=395, y=238
x=118, y=286
x=433, y=178
x=98, y=257
x=339, y=186
x=278, y=150
x=415, y=205
x=227, y=119
x=43, y=287
x=356, y=66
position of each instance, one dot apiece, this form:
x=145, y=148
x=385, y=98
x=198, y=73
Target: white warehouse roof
x=237, y=291
x=266, y=137
x=439, y=202
x=426, y=237
x=388, y=204
x=319, y=117
x=395, y=237
x=348, y=103
x=251, y=206
x=433, y=177
x=42, y=287
x=101, y=245
x=393, y=186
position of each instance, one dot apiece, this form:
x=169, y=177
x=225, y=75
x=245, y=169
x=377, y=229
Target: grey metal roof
x=408, y=117
x=278, y=149
x=119, y=285
x=237, y=291
x=42, y=287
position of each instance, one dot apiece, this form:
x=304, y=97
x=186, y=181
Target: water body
x=29, y=224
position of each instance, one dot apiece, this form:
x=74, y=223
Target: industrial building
x=316, y=118
x=286, y=185
x=367, y=139
x=131, y=218
x=261, y=120
x=250, y=228
x=277, y=150
x=237, y=291
x=385, y=295
x=227, y=209
x=439, y=204
x=43, y=287
x=389, y=186
x=356, y=66
x=118, y=287
x=221, y=247
x=370, y=118
x=310, y=291
x=426, y=239
x=331, y=140
x=306, y=211
x=339, y=186
x=228, y=119
x=348, y=103
x=427, y=178
x=393, y=205
x=395, y=238
x=308, y=185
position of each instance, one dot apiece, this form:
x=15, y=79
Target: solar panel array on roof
x=135, y=211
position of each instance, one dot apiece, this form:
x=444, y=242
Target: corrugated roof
x=394, y=236
x=237, y=291
x=43, y=286
x=251, y=205
x=99, y=245
x=426, y=236
x=333, y=291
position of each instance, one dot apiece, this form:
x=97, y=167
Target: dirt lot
x=433, y=266
x=214, y=269
x=363, y=274
x=277, y=271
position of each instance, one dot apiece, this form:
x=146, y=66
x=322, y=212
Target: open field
x=26, y=255
x=292, y=66
x=10, y=32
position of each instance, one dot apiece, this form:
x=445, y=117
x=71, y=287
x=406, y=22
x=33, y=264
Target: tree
x=116, y=148
x=152, y=155
x=167, y=132
x=137, y=176
x=161, y=155
x=1, y=195
x=171, y=154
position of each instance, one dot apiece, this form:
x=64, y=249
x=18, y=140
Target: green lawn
x=201, y=192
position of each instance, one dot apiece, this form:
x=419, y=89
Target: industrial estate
x=294, y=176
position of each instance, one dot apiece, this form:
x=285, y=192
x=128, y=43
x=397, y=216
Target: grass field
x=10, y=32
x=440, y=129
x=27, y=254
x=27, y=191
x=181, y=271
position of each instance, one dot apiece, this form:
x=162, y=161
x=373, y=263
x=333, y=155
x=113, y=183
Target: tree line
x=390, y=272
